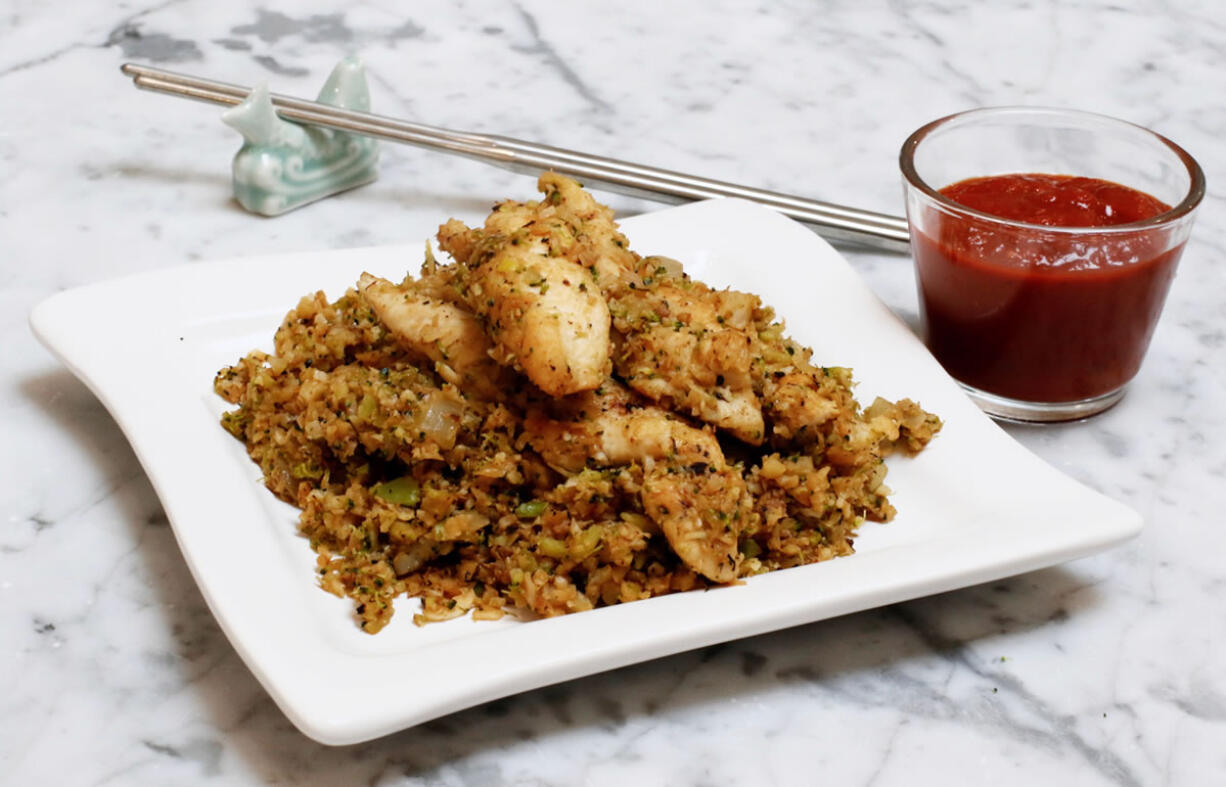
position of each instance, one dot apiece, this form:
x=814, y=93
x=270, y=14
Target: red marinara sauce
x=1043, y=315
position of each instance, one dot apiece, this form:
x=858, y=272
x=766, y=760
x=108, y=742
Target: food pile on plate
x=550, y=422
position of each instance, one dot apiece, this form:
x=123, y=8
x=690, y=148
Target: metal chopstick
x=834, y=222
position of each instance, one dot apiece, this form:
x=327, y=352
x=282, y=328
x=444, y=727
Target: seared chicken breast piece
x=701, y=512
x=532, y=274
x=544, y=317
x=692, y=349
x=445, y=333
x=609, y=427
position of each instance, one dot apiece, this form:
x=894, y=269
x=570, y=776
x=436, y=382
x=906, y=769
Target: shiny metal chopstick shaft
x=835, y=222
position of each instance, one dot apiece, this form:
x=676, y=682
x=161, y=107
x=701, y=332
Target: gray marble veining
x=1106, y=671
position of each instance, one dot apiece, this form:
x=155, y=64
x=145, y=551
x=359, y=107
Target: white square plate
x=973, y=507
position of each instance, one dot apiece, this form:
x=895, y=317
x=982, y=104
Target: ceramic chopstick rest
x=284, y=165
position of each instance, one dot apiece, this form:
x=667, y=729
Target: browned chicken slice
x=691, y=348
x=537, y=272
x=701, y=512
x=544, y=317
x=445, y=333
x=605, y=428
x=567, y=222
x=599, y=244
x=798, y=405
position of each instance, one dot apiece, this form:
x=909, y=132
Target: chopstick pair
x=836, y=223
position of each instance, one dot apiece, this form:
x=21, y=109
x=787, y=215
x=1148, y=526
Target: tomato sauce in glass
x=1043, y=315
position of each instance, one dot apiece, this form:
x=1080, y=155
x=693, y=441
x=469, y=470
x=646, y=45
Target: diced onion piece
x=439, y=419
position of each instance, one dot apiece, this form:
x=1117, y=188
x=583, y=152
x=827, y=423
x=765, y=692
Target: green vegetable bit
x=531, y=510
x=403, y=491
x=552, y=547
x=305, y=470
x=368, y=407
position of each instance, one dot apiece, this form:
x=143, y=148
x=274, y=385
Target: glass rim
x=1196, y=186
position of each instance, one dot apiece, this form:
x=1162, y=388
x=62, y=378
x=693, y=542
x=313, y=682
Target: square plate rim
x=354, y=713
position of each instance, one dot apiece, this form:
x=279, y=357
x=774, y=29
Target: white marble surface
x=1109, y=670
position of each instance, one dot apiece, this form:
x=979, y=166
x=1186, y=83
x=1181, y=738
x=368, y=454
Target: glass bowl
x=1039, y=322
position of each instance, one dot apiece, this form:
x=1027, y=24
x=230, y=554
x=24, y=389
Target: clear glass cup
x=1043, y=323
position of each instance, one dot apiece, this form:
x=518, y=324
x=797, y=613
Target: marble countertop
x=1108, y=670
